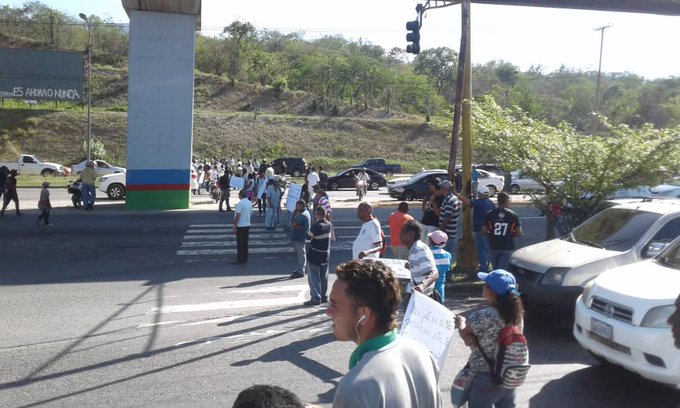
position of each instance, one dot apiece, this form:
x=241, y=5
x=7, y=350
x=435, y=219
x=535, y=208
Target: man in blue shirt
x=480, y=207
x=300, y=224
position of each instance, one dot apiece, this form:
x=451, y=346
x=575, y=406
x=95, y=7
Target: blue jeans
x=271, y=217
x=501, y=259
x=89, y=195
x=482, y=251
x=485, y=393
x=317, y=276
x=301, y=251
x=451, y=248
x=440, y=285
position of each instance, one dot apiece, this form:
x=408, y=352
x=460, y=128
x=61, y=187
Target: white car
x=101, y=168
x=493, y=181
x=114, y=184
x=552, y=274
x=622, y=317
x=520, y=182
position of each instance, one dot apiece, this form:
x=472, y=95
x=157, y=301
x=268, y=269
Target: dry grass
x=243, y=121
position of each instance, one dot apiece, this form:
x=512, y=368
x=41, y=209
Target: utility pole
x=89, y=85
x=599, y=68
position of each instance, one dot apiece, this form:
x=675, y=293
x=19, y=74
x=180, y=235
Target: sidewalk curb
x=465, y=287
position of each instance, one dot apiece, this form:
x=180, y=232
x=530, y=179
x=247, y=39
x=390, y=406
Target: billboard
x=41, y=75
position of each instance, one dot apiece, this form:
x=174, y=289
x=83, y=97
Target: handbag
x=460, y=391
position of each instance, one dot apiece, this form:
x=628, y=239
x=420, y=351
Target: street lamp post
x=89, y=84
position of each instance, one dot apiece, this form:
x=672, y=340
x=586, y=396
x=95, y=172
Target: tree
x=577, y=171
x=438, y=64
x=240, y=36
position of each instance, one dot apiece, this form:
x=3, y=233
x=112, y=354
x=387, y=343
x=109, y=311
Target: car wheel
x=296, y=173
x=374, y=185
x=47, y=172
x=492, y=190
x=407, y=196
x=334, y=185
x=116, y=191
x=514, y=189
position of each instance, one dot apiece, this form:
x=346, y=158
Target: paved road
x=105, y=310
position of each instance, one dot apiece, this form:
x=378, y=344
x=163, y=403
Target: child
x=442, y=259
x=44, y=204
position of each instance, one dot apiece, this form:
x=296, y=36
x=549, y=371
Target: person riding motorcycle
x=362, y=181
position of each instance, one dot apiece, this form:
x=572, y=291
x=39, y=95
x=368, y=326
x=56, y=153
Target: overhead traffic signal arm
x=413, y=27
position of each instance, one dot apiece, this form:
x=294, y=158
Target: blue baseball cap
x=500, y=281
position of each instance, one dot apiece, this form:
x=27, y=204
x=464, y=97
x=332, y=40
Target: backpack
x=510, y=367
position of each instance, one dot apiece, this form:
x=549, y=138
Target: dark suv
x=295, y=166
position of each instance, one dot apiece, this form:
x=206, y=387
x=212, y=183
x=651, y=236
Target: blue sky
x=638, y=43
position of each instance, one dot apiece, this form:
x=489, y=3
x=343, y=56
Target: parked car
x=295, y=166
x=521, y=183
x=380, y=166
x=101, y=168
x=418, y=186
x=399, y=180
x=115, y=188
x=345, y=179
x=552, y=274
x=670, y=193
x=113, y=185
x=621, y=317
x=490, y=167
x=30, y=164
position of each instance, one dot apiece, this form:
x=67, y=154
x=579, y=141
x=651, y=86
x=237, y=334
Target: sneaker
x=296, y=275
x=324, y=300
x=49, y=225
x=311, y=303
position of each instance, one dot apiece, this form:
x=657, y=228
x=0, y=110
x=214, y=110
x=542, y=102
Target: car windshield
x=38, y=159
x=614, y=229
x=671, y=256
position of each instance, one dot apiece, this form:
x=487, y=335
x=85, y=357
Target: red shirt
x=395, y=221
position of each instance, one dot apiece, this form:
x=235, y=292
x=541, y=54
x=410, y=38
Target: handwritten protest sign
x=294, y=193
x=398, y=267
x=431, y=324
x=260, y=187
x=236, y=182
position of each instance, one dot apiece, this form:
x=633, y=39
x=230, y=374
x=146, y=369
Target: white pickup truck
x=31, y=164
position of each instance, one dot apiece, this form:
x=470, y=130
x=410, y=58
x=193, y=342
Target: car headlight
x=554, y=276
x=657, y=317
x=586, y=292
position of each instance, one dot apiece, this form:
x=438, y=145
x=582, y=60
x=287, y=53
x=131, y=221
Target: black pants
x=242, y=244
x=224, y=196
x=11, y=197
x=45, y=215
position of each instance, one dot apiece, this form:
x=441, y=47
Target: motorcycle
x=214, y=190
x=76, y=193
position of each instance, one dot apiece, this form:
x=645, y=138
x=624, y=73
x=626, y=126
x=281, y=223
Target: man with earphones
x=385, y=370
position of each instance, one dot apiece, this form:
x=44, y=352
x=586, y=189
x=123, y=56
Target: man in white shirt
x=242, y=227
x=369, y=241
x=312, y=180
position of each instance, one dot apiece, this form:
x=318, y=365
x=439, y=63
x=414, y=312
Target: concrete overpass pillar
x=160, y=102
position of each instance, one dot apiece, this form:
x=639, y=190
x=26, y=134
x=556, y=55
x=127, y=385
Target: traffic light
x=413, y=37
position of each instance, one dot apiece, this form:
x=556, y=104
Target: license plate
x=601, y=329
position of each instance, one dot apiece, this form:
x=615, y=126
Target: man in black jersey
x=501, y=226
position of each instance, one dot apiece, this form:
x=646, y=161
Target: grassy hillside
x=244, y=121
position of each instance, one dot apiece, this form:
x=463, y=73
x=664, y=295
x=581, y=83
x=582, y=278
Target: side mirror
x=653, y=249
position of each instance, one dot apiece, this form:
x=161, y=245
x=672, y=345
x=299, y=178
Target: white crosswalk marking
x=219, y=242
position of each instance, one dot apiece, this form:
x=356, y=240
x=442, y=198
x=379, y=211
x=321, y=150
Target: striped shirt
x=442, y=259
x=422, y=264
x=450, y=209
x=326, y=204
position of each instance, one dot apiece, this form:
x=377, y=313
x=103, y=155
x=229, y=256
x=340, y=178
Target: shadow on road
x=604, y=386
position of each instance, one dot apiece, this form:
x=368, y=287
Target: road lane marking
x=143, y=325
x=232, y=236
x=232, y=251
x=252, y=242
x=287, y=288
